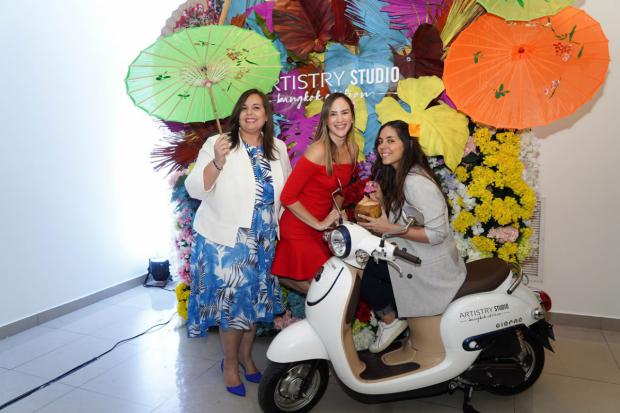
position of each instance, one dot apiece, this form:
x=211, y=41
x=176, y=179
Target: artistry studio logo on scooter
x=483, y=313
x=293, y=87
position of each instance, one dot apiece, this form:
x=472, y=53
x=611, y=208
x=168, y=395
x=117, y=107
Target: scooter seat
x=483, y=275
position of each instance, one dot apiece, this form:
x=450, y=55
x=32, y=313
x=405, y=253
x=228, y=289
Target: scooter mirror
x=412, y=213
x=412, y=217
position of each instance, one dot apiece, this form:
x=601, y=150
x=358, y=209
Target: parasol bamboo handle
x=225, y=8
x=217, y=118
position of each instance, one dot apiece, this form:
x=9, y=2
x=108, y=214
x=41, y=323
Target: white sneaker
x=386, y=333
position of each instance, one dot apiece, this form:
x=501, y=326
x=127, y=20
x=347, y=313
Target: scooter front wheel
x=293, y=387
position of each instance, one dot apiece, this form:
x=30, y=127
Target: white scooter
x=491, y=336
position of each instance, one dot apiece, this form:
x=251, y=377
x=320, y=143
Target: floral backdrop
x=489, y=175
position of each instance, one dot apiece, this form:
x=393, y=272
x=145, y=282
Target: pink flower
x=283, y=321
x=470, y=146
x=504, y=234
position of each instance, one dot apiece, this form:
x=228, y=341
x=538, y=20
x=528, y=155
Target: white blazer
x=229, y=204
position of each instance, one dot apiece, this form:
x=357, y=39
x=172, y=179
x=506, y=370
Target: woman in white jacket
x=238, y=178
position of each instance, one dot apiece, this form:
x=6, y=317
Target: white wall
x=81, y=208
x=579, y=180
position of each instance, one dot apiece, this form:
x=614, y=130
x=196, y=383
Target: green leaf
x=477, y=57
x=572, y=33
x=500, y=93
x=580, y=52
x=521, y=3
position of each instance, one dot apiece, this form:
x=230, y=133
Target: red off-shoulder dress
x=301, y=250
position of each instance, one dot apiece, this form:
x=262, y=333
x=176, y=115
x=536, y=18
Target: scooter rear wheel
x=280, y=388
x=532, y=360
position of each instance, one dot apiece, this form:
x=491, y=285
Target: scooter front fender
x=296, y=342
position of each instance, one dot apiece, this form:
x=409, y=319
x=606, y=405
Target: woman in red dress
x=327, y=163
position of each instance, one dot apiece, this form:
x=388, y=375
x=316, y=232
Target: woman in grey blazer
x=407, y=185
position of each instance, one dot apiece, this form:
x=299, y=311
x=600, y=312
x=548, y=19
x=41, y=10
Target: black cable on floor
x=73, y=370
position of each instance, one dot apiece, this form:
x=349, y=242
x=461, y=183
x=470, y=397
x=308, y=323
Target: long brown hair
x=322, y=132
x=391, y=180
x=235, y=139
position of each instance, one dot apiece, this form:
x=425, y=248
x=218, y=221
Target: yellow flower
x=528, y=201
x=508, y=251
x=181, y=291
x=504, y=210
x=524, y=250
x=483, y=212
x=443, y=130
x=463, y=221
x=461, y=173
x=482, y=135
x=482, y=176
x=182, y=309
x=483, y=244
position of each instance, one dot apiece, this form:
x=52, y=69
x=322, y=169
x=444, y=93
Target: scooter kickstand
x=467, y=407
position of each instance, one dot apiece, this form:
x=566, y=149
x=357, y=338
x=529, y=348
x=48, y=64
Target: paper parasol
x=182, y=77
x=524, y=74
x=524, y=10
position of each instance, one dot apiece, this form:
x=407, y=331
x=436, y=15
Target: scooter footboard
x=297, y=342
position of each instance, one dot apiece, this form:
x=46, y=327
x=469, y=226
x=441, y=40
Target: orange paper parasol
x=524, y=74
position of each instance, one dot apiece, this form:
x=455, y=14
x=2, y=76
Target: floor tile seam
x=115, y=397
x=102, y=310
x=46, y=352
x=89, y=313
x=613, y=355
x=135, y=336
x=104, y=371
x=32, y=375
x=97, y=357
x=84, y=361
x=583, y=378
x=37, y=387
x=425, y=400
x=73, y=388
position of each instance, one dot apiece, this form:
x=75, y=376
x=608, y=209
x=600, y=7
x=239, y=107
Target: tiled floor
x=164, y=372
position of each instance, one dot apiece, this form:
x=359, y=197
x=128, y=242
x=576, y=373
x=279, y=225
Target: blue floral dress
x=232, y=286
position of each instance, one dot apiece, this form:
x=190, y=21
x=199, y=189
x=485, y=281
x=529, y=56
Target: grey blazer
x=428, y=288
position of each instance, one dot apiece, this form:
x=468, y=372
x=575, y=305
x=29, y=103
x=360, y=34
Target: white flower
x=363, y=339
x=477, y=229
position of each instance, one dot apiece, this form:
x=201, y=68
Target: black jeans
x=376, y=288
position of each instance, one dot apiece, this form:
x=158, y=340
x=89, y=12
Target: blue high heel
x=238, y=390
x=254, y=377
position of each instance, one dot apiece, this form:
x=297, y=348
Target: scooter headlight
x=339, y=242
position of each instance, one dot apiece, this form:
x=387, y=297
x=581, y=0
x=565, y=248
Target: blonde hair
x=322, y=132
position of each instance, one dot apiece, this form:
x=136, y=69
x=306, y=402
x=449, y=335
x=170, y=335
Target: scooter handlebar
x=406, y=256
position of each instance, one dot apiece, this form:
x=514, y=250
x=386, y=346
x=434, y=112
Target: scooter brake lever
x=396, y=266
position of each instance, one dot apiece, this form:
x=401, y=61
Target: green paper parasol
x=184, y=76
x=524, y=10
